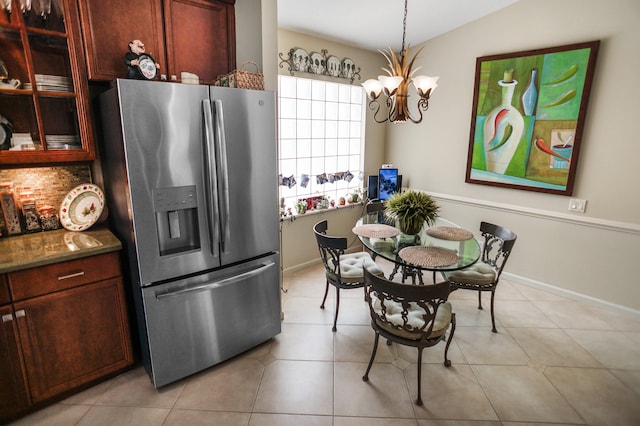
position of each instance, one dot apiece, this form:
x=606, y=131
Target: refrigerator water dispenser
x=176, y=219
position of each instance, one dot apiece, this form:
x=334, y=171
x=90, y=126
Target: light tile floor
x=553, y=361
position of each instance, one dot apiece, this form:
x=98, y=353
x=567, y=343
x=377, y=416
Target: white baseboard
x=572, y=295
x=316, y=261
x=619, y=309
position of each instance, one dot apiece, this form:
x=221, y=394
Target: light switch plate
x=577, y=205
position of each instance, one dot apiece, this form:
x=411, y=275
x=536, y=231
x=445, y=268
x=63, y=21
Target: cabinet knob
x=20, y=313
x=7, y=318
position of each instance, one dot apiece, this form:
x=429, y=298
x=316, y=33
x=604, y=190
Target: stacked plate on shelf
x=63, y=142
x=51, y=83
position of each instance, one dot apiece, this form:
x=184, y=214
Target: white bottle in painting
x=530, y=94
x=503, y=128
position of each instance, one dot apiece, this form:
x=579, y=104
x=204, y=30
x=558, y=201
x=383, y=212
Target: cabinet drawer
x=59, y=276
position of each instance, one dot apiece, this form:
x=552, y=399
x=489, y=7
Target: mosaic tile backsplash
x=48, y=184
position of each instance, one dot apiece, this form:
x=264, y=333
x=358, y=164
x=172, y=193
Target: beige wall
x=256, y=37
x=590, y=255
x=594, y=253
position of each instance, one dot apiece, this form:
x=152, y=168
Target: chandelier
x=395, y=85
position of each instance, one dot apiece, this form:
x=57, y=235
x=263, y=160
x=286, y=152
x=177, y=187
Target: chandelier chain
x=404, y=27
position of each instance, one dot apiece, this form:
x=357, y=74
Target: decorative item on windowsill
x=301, y=207
x=242, y=79
x=140, y=65
x=395, y=85
x=411, y=209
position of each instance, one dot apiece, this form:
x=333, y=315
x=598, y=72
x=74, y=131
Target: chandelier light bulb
x=373, y=88
x=390, y=84
x=425, y=85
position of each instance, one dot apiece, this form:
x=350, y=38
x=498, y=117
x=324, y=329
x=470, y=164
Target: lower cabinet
x=55, y=342
x=13, y=386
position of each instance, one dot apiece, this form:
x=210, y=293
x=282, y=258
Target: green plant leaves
x=412, y=209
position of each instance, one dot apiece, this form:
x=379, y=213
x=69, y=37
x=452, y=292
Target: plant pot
x=409, y=228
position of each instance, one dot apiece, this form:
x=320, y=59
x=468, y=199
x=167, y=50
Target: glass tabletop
x=443, y=246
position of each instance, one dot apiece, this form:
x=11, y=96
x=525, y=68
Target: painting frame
x=529, y=137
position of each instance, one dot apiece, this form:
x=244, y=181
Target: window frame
x=321, y=134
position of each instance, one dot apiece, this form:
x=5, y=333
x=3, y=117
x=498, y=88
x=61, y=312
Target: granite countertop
x=44, y=248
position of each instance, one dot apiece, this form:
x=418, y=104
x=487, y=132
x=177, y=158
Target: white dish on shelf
x=81, y=207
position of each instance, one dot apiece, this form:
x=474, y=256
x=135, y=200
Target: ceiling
x=377, y=24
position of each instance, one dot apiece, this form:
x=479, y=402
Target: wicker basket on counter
x=242, y=79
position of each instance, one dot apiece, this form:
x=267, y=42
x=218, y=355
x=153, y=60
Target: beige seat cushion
x=414, y=319
x=477, y=274
x=351, y=266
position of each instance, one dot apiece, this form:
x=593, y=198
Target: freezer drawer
x=197, y=322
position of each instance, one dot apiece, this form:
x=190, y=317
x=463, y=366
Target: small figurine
x=140, y=65
x=5, y=82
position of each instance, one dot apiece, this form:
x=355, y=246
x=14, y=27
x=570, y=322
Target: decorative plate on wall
x=81, y=207
x=348, y=68
x=300, y=59
x=317, y=63
x=333, y=66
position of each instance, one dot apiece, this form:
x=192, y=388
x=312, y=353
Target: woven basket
x=242, y=79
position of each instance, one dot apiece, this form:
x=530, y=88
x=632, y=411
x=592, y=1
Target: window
x=321, y=138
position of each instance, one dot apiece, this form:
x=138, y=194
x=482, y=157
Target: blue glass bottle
x=530, y=94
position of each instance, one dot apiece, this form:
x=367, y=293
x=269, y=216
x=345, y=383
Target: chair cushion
x=477, y=274
x=414, y=319
x=351, y=266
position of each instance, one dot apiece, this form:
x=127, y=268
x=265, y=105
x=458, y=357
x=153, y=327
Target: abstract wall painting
x=528, y=115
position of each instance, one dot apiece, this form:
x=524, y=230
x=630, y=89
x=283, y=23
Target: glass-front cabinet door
x=44, y=114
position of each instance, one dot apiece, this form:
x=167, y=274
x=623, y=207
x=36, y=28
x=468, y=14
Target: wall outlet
x=577, y=205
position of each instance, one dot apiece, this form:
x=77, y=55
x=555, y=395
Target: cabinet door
x=13, y=391
x=109, y=26
x=74, y=336
x=47, y=109
x=4, y=290
x=200, y=36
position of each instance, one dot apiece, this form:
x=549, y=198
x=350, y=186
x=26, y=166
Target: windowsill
x=318, y=211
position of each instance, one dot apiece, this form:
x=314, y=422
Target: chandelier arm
x=391, y=109
x=375, y=105
x=423, y=105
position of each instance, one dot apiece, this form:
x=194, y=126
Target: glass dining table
x=443, y=246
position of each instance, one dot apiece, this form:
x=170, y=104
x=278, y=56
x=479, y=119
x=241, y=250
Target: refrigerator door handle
x=210, y=179
x=217, y=284
x=221, y=149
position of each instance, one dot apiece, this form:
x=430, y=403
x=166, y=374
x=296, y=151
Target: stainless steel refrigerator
x=191, y=183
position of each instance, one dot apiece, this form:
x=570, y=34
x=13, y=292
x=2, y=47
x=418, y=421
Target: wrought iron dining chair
x=484, y=275
x=411, y=315
x=376, y=207
x=343, y=271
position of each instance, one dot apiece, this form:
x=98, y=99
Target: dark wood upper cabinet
x=196, y=36
x=109, y=26
x=48, y=112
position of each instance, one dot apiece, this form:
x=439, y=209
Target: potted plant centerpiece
x=411, y=209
